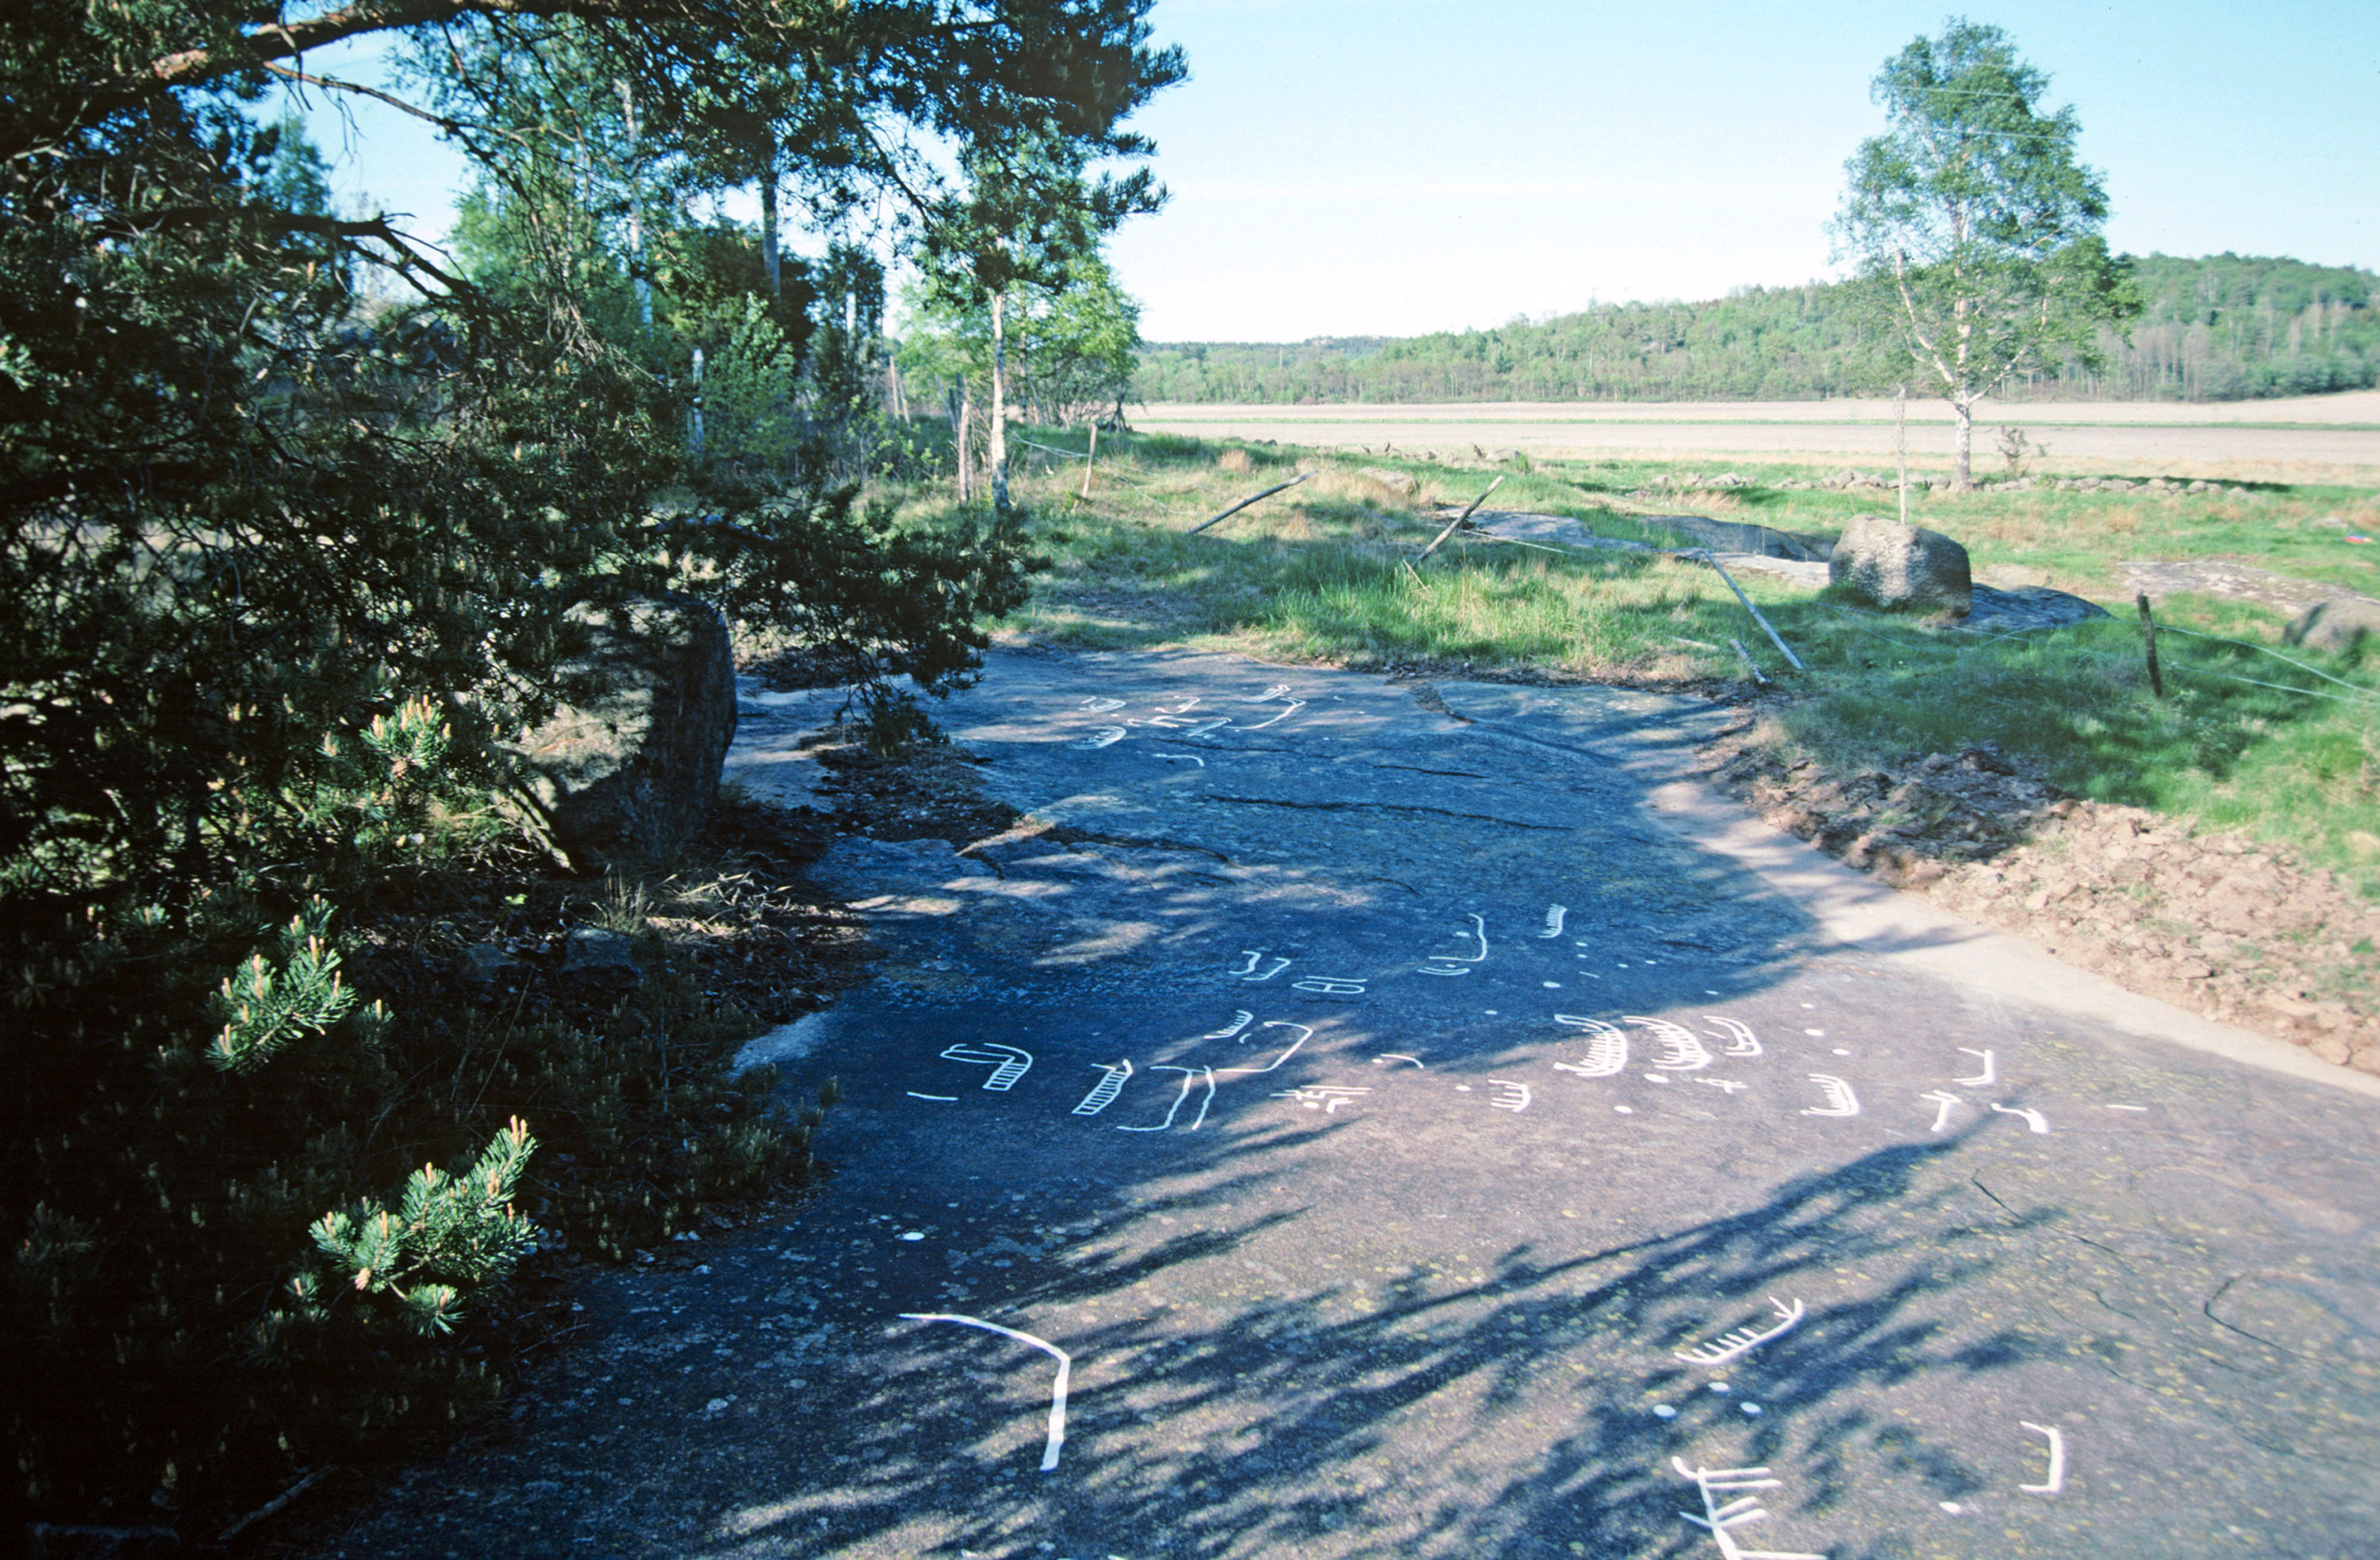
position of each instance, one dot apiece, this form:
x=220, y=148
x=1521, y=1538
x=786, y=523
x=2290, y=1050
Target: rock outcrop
x=1898, y=566
x=2339, y=624
x=627, y=776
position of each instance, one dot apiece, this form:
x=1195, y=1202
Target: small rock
x=487, y=973
x=2331, y=1048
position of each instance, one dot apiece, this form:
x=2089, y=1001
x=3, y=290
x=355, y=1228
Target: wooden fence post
x=2148, y=638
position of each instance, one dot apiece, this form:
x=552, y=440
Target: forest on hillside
x=2225, y=327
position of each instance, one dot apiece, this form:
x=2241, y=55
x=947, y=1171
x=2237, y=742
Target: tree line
x=2221, y=327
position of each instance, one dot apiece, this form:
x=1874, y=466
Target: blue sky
x=1377, y=167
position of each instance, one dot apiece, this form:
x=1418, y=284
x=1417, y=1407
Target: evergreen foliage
x=297, y=520
x=2219, y=327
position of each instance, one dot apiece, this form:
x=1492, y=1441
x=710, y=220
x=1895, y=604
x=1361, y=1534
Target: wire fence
x=2357, y=695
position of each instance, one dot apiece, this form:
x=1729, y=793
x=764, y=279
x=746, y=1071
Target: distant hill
x=2227, y=327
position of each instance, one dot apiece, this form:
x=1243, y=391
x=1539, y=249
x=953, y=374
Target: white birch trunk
x=996, y=441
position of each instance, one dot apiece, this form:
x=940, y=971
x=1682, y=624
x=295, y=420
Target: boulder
x=627, y=776
x=598, y=967
x=1403, y=483
x=1894, y=565
x=2338, y=624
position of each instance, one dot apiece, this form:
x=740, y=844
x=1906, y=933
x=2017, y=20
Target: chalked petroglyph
x=1741, y=1341
x=1682, y=1049
x=1056, y=1439
x=1840, y=1097
x=1008, y=1063
x=1721, y=1517
x=1103, y=1094
x=1606, y=1048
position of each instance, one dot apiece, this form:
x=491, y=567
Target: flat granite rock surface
x=1330, y=1125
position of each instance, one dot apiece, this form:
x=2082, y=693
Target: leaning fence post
x=1246, y=502
x=1774, y=637
x=1091, y=460
x=2148, y=636
x=1468, y=510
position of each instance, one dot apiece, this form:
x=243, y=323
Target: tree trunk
x=635, y=211
x=1964, y=405
x=959, y=438
x=996, y=442
x=771, y=261
x=1900, y=444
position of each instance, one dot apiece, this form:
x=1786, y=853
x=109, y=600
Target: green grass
x=1323, y=573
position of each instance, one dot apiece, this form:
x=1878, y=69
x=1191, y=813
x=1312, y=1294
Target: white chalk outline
x=1104, y=1092
x=1555, y=915
x=1325, y=1097
x=1181, y=709
x=1240, y=1018
x=1203, y=727
x=1255, y=957
x=1206, y=1104
x=1480, y=930
x=945, y=1099
x=1005, y=1070
x=1944, y=1103
x=1268, y=695
x=1306, y=1033
x=1057, y=1438
x=1332, y=985
x=1098, y=706
x=1989, y=1076
x=1192, y=757
x=2128, y=1107
x=1718, y=1518
x=1295, y=705
x=1188, y=1075
x=1685, y=1051
x=2034, y=1119
x=1505, y=1103
x=2056, y=1481
x=1606, y=1048
x=1741, y=1041
x=1741, y=1341
x=1106, y=736
x=1727, y=1085
x=1841, y=1100
x=1397, y=1056
x=1432, y=969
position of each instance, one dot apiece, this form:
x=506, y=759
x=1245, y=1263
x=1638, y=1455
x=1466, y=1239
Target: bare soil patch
x=2243, y=933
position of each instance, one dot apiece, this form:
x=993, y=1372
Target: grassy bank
x=1325, y=572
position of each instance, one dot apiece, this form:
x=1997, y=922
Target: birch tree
x=1975, y=224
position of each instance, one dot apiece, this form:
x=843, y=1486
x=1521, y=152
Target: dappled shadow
x=1310, y=1407
x=1448, y=1320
